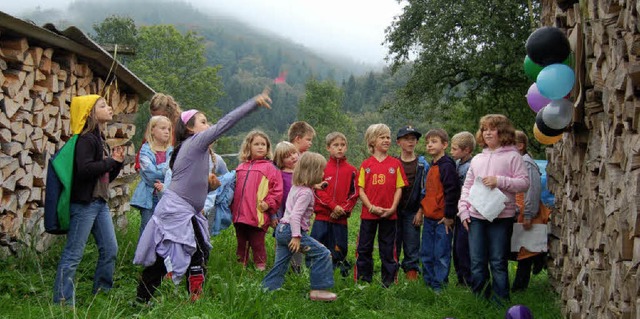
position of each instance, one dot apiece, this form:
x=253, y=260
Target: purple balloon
x=535, y=99
x=519, y=312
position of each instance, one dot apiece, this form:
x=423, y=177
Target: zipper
x=337, y=178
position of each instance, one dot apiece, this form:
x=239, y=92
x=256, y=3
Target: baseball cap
x=408, y=130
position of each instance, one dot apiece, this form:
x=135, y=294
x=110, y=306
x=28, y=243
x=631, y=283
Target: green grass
x=26, y=283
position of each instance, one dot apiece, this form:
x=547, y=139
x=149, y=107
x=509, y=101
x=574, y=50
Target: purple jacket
x=505, y=163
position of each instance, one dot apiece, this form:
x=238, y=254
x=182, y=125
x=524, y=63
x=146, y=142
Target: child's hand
x=448, y=224
x=465, y=223
x=158, y=186
x=274, y=223
x=294, y=244
x=526, y=224
x=117, y=153
x=418, y=218
x=263, y=98
x=338, y=210
x=214, y=183
x=490, y=181
x=263, y=206
x=386, y=212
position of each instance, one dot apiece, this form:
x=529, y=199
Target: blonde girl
x=256, y=199
x=154, y=155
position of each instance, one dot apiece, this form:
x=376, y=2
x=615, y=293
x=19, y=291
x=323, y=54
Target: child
x=285, y=158
x=153, y=167
x=176, y=239
x=499, y=165
x=161, y=104
x=409, y=210
x=462, y=146
x=257, y=196
x=532, y=211
x=291, y=233
x=380, y=182
x=439, y=206
x=301, y=135
x=94, y=167
x=217, y=167
x=334, y=203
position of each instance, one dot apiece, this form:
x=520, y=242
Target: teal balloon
x=531, y=69
x=555, y=81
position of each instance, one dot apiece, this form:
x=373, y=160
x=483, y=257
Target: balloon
x=558, y=114
x=555, y=81
x=531, y=69
x=535, y=100
x=543, y=127
x=519, y=312
x=569, y=61
x=548, y=45
x=544, y=139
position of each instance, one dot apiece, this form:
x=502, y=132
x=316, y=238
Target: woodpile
x=37, y=84
x=593, y=171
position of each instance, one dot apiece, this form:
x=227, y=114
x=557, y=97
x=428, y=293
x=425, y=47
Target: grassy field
x=233, y=292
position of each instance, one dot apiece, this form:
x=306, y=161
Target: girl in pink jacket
x=256, y=199
x=499, y=165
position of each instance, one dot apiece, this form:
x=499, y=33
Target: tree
x=468, y=60
x=117, y=30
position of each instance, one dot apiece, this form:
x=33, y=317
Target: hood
x=501, y=149
x=80, y=109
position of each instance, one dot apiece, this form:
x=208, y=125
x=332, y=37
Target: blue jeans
x=489, y=246
x=435, y=254
x=145, y=214
x=318, y=259
x=408, y=241
x=93, y=218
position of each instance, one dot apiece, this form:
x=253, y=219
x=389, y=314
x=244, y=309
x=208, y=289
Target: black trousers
x=386, y=230
x=151, y=277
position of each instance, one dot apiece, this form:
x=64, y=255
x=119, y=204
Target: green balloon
x=569, y=61
x=531, y=69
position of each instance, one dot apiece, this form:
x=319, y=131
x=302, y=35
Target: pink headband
x=187, y=115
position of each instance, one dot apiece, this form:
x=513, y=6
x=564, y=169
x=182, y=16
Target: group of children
x=399, y=195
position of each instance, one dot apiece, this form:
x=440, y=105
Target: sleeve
x=352, y=196
x=274, y=197
x=449, y=179
x=87, y=167
x=149, y=171
x=518, y=182
x=464, y=207
x=361, y=177
x=302, y=200
x=324, y=198
x=204, y=139
x=532, y=196
x=401, y=178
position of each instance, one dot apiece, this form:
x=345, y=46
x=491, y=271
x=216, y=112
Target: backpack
x=58, y=189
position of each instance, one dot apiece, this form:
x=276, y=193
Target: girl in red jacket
x=257, y=197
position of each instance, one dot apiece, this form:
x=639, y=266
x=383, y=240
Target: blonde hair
x=245, y=148
x=506, y=131
x=333, y=136
x=464, y=140
x=166, y=105
x=300, y=129
x=148, y=135
x=283, y=150
x=521, y=137
x=373, y=132
x=309, y=170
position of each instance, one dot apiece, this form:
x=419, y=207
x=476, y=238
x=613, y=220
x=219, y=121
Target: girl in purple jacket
x=499, y=165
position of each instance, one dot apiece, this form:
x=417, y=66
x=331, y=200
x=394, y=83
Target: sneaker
x=322, y=295
x=412, y=275
x=261, y=267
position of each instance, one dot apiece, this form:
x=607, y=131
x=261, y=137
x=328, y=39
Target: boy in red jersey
x=380, y=181
x=334, y=202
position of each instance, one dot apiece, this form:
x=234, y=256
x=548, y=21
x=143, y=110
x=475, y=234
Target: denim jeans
x=408, y=241
x=145, y=214
x=489, y=246
x=92, y=218
x=435, y=254
x=317, y=256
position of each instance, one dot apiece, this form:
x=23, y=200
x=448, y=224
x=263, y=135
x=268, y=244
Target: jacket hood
x=501, y=149
x=80, y=109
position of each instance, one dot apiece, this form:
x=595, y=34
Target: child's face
x=458, y=152
x=408, y=143
x=200, y=123
x=382, y=143
x=159, y=112
x=490, y=137
x=258, y=147
x=304, y=143
x=291, y=160
x=161, y=132
x=435, y=146
x=337, y=148
x=102, y=111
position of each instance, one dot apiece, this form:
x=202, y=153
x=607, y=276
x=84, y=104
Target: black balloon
x=548, y=45
x=543, y=128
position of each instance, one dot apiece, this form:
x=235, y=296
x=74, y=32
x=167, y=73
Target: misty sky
x=337, y=26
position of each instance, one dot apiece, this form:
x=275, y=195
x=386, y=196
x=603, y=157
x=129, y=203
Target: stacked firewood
x=594, y=171
x=37, y=84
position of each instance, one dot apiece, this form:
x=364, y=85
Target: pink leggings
x=250, y=237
